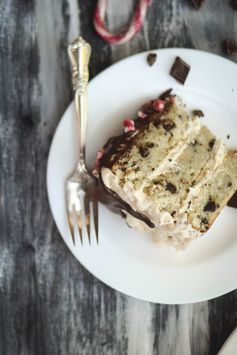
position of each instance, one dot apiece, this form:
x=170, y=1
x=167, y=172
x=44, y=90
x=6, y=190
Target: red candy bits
x=141, y=115
x=129, y=125
x=159, y=105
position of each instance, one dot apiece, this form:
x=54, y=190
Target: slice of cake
x=167, y=173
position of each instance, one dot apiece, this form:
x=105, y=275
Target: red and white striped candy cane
x=134, y=27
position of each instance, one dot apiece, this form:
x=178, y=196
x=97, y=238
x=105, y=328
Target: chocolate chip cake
x=167, y=172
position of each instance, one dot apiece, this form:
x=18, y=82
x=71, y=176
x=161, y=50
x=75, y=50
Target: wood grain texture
x=49, y=304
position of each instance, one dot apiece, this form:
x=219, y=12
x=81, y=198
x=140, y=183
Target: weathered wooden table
x=49, y=303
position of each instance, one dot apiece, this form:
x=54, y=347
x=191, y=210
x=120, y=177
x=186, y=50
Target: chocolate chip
x=168, y=124
x=204, y=221
x=170, y=187
x=197, y=3
x=229, y=184
x=228, y=136
x=234, y=4
x=144, y=152
x=151, y=58
x=180, y=70
x=150, y=145
x=173, y=213
x=233, y=201
x=198, y=113
x=170, y=159
x=211, y=143
x=157, y=123
x=230, y=46
x=211, y=206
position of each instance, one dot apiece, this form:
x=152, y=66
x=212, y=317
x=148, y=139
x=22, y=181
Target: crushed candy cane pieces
x=129, y=125
x=141, y=115
x=159, y=105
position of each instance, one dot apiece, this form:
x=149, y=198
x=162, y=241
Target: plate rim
x=92, y=82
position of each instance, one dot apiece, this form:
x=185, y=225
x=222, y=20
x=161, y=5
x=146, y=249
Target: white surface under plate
x=126, y=260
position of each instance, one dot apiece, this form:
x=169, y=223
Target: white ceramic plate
x=126, y=260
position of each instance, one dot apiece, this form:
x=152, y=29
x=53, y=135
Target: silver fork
x=81, y=186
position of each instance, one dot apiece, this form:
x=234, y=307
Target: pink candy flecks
x=141, y=115
x=129, y=125
x=159, y=105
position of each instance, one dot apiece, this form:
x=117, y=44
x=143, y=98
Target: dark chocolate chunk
x=230, y=46
x=168, y=124
x=170, y=187
x=229, y=184
x=234, y=4
x=144, y=151
x=197, y=3
x=233, y=201
x=180, y=70
x=204, y=221
x=173, y=213
x=151, y=58
x=198, y=113
x=150, y=145
x=228, y=136
x=211, y=143
x=156, y=123
x=211, y=206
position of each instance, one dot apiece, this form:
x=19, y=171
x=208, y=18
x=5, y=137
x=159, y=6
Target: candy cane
x=134, y=27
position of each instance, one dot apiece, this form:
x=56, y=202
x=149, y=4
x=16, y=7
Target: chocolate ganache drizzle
x=116, y=146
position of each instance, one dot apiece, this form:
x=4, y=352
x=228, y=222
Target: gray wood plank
x=49, y=304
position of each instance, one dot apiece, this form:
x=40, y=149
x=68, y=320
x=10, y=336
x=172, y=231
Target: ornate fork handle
x=79, y=53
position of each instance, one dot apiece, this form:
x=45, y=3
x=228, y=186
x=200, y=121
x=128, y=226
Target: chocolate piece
x=204, y=221
x=166, y=94
x=211, y=206
x=144, y=152
x=230, y=46
x=198, y=113
x=234, y=4
x=180, y=70
x=151, y=58
x=150, y=145
x=168, y=125
x=211, y=143
x=233, y=201
x=197, y=3
x=228, y=136
x=170, y=187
